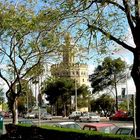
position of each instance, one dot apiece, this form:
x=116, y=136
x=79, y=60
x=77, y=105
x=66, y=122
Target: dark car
x=124, y=130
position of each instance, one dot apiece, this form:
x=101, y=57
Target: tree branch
x=128, y=14
x=101, y=1
x=137, y=9
x=93, y=27
x=109, y=2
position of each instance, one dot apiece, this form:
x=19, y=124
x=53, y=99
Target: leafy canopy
x=103, y=76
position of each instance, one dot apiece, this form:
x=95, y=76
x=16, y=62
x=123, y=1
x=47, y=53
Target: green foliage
x=2, y=98
x=35, y=72
x=59, y=92
x=84, y=99
x=26, y=102
x=26, y=37
x=104, y=103
x=67, y=134
x=124, y=103
x=108, y=74
x=5, y=106
x=96, y=21
x=113, y=23
x=29, y=38
x=26, y=98
x=60, y=87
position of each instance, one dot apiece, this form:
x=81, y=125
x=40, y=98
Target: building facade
x=69, y=67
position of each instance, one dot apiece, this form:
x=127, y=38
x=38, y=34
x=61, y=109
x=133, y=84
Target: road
x=61, y=119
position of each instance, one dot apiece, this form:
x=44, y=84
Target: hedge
x=27, y=132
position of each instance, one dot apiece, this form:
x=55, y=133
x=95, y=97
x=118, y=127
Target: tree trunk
x=116, y=92
x=136, y=77
x=64, y=113
x=15, y=111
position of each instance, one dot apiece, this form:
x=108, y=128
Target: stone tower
x=68, y=50
x=68, y=67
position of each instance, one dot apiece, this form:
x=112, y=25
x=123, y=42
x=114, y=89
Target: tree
x=109, y=74
x=108, y=24
x=24, y=104
x=36, y=78
x=84, y=99
x=60, y=90
x=104, y=103
x=27, y=38
x=123, y=106
x=26, y=101
x=1, y=97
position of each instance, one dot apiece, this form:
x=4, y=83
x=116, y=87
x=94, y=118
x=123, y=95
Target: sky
x=123, y=53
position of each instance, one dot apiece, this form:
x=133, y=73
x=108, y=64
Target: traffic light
x=40, y=100
x=123, y=93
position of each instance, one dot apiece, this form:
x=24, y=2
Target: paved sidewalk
x=104, y=118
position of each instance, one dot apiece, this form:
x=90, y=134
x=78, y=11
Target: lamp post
x=75, y=96
x=15, y=109
x=127, y=92
x=126, y=84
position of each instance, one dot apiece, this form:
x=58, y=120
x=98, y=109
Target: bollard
x=1, y=125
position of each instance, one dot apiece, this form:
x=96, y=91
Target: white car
x=92, y=117
x=46, y=116
x=30, y=115
x=74, y=114
x=72, y=125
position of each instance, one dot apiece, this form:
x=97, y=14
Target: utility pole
x=134, y=115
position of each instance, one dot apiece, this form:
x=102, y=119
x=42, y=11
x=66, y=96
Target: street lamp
x=127, y=92
x=75, y=96
x=126, y=84
x=126, y=78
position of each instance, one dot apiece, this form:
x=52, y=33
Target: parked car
x=46, y=116
x=26, y=121
x=101, y=127
x=7, y=115
x=71, y=125
x=90, y=117
x=121, y=116
x=30, y=115
x=75, y=115
x=124, y=130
